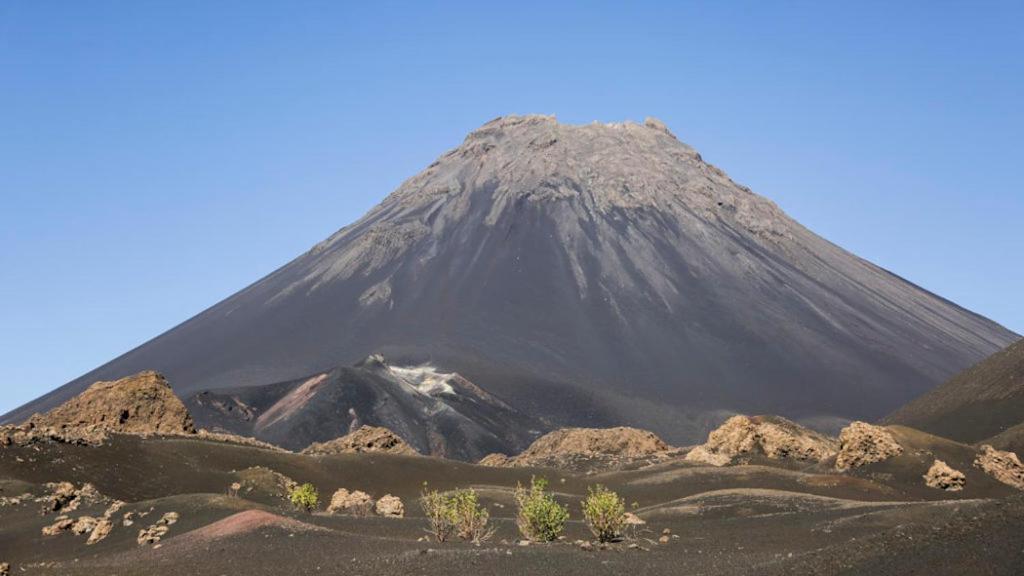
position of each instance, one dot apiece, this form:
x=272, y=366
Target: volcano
x=593, y=275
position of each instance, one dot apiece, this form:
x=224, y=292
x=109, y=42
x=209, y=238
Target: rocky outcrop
x=1001, y=465
x=390, y=506
x=770, y=436
x=355, y=503
x=365, y=439
x=861, y=443
x=943, y=477
x=141, y=404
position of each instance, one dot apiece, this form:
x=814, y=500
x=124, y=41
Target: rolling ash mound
x=592, y=275
x=986, y=400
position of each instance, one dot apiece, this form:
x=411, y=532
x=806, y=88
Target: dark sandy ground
x=755, y=519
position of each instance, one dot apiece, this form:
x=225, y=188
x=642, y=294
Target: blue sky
x=158, y=156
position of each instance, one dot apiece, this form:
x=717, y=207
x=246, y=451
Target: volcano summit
x=590, y=275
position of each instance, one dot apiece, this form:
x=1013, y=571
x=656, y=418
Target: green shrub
x=305, y=497
x=540, y=517
x=439, y=514
x=605, y=513
x=469, y=516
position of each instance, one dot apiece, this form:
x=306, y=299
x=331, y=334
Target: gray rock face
x=592, y=275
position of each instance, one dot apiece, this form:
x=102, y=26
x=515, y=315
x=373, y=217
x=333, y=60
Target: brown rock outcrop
x=861, y=443
x=1001, y=465
x=621, y=441
x=943, y=477
x=772, y=436
x=390, y=506
x=355, y=503
x=587, y=448
x=365, y=439
x=140, y=404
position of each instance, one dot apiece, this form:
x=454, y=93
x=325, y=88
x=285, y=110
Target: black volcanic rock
x=593, y=275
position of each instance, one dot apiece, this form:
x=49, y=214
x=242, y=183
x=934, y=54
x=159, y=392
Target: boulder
x=1001, y=465
x=943, y=477
x=355, y=503
x=364, y=439
x=861, y=443
x=390, y=506
x=5, y=569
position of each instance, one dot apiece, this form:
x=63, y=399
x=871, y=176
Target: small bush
x=540, y=517
x=459, y=513
x=439, y=514
x=605, y=513
x=305, y=497
x=469, y=516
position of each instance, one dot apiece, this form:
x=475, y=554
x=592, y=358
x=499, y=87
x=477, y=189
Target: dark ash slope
x=983, y=401
x=594, y=275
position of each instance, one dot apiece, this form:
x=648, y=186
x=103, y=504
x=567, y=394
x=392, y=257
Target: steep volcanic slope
x=983, y=401
x=437, y=413
x=594, y=275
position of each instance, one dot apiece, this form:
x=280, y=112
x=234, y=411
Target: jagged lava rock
x=861, y=443
x=365, y=439
x=1001, y=465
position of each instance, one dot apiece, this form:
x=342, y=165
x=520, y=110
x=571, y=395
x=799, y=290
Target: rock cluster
x=771, y=436
x=355, y=503
x=861, y=443
x=65, y=498
x=1001, y=465
x=943, y=477
x=359, y=503
x=365, y=439
x=155, y=532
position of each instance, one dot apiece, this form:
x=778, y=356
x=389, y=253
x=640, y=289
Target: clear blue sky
x=155, y=157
